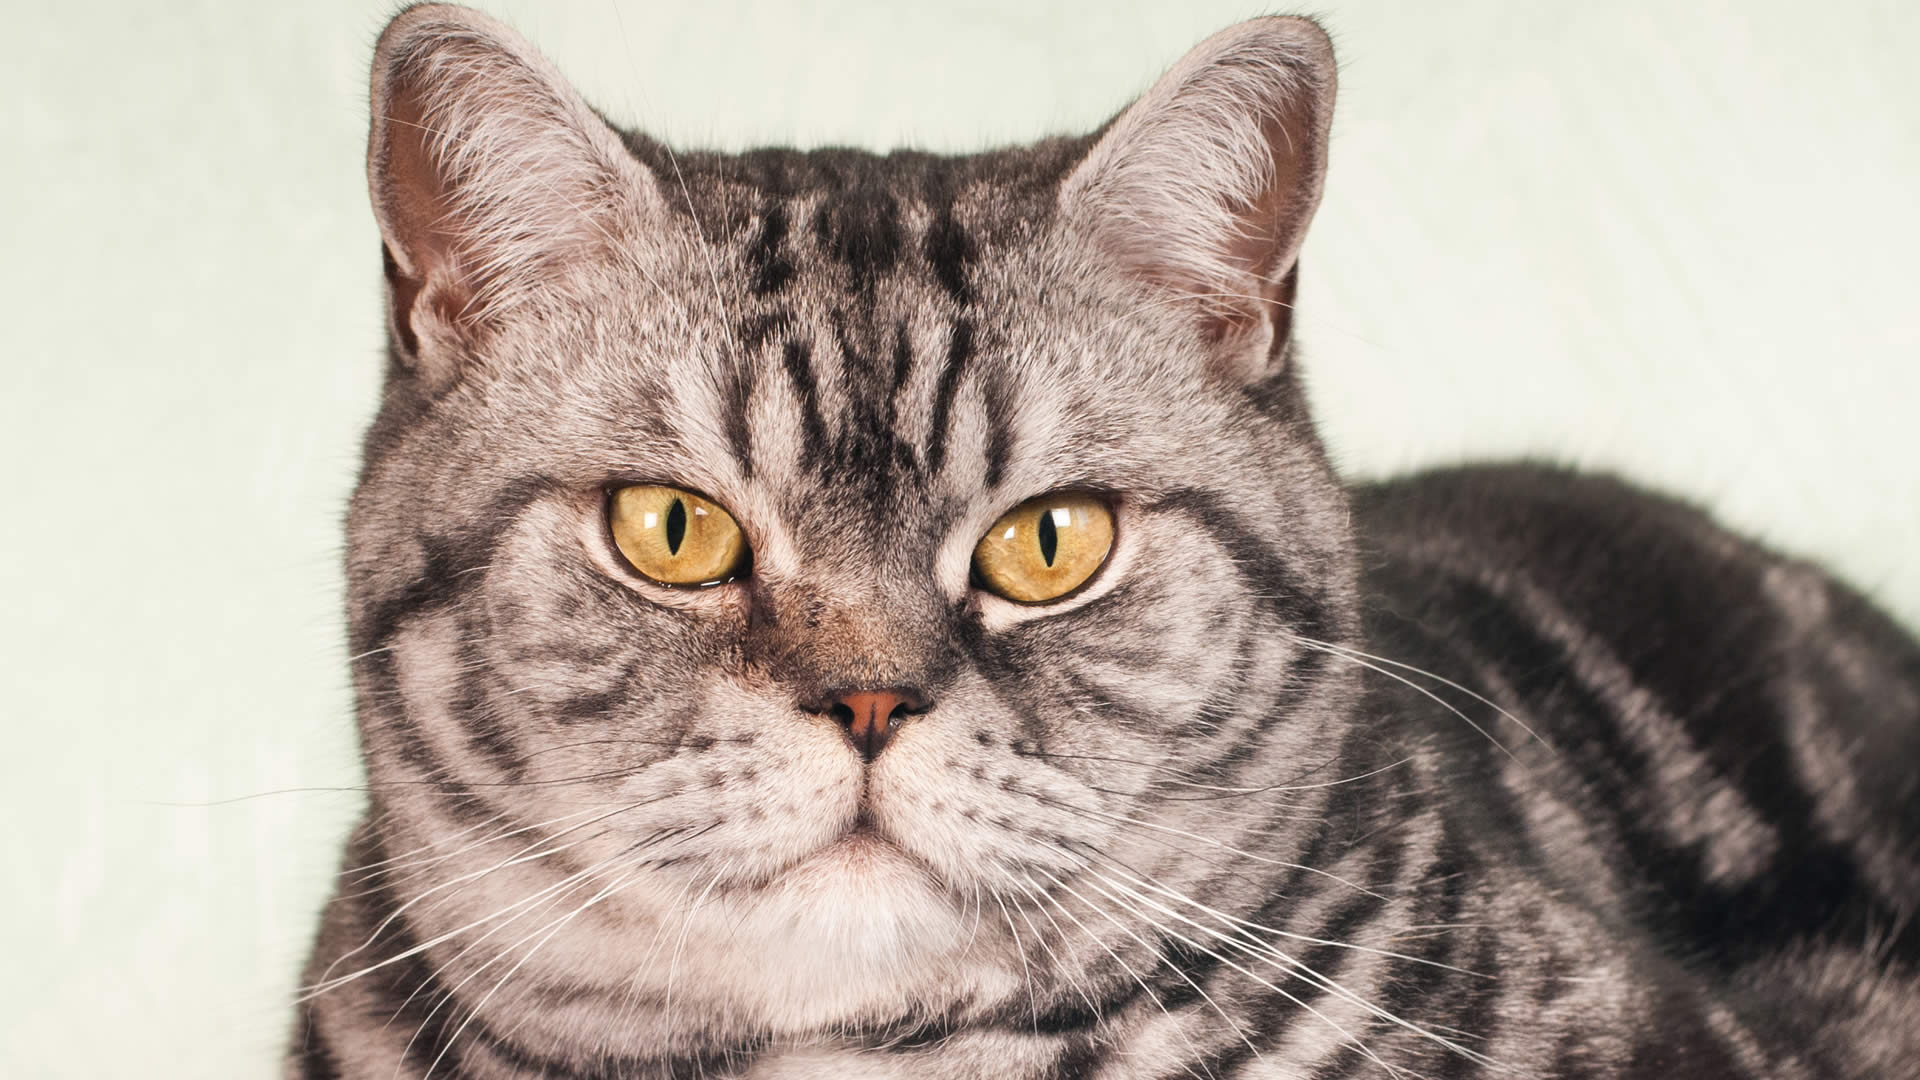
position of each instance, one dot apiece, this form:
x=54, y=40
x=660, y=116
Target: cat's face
x=865, y=363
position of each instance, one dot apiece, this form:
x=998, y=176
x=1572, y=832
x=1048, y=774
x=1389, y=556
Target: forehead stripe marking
x=772, y=270
x=959, y=352
x=999, y=428
x=797, y=357
x=949, y=250
x=740, y=383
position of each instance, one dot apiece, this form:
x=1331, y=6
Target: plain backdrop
x=1677, y=240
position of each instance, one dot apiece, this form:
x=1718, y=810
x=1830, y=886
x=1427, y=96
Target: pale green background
x=1676, y=239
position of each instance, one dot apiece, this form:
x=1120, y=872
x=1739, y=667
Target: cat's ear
x=1203, y=188
x=493, y=182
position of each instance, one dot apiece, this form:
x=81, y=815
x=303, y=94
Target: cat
x=821, y=614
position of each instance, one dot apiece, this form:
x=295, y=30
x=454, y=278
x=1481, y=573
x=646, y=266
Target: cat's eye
x=675, y=537
x=1044, y=548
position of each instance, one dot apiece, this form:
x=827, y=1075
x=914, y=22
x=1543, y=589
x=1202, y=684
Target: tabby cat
x=819, y=614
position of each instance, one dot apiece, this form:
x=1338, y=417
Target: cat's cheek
x=774, y=784
x=952, y=791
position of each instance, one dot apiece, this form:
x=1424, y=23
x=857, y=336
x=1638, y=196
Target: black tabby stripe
x=1478, y=1016
x=950, y=252
x=448, y=562
x=868, y=450
x=859, y=228
x=738, y=398
x=1267, y=574
x=589, y=706
x=1079, y=1058
x=796, y=358
x=447, y=575
x=1067, y=1015
x=1429, y=993
x=756, y=331
x=1810, y=889
x=771, y=268
x=472, y=705
x=902, y=366
x=414, y=981
x=313, y=1057
x=1277, y=1014
x=905, y=461
x=1182, y=970
x=999, y=427
x=959, y=352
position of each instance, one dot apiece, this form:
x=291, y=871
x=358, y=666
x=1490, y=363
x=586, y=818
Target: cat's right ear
x=493, y=182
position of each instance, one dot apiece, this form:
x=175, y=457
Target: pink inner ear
x=497, y=189
x=425, y=271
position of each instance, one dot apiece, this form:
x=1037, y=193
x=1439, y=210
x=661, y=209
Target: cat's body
x=1492, y=772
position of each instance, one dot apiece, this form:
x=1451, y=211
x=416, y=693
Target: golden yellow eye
x=1045, y=548
x=675, y=537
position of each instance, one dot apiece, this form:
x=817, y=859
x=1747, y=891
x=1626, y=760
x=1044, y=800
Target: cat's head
x=668, y=548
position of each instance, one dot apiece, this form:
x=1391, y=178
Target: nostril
x=842, y=715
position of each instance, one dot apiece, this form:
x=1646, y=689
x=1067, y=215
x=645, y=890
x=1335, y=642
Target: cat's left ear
x=1203, y=188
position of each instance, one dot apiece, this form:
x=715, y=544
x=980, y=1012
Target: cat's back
x=1723, y=740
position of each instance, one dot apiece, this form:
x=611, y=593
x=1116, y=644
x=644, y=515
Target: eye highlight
x=1044, y=548
x=675, y=537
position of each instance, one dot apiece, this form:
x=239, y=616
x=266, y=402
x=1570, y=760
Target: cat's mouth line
x=865, y=831
x=866, y=835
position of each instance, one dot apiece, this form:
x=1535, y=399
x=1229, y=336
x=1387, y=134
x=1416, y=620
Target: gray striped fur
x=1497, y=772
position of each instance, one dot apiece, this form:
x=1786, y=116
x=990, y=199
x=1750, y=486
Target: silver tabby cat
x=833, y=615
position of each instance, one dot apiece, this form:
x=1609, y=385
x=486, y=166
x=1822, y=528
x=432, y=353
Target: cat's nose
x=870, y=716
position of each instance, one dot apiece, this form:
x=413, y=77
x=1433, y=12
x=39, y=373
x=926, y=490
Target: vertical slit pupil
x=1049, y=538
x=676, y=527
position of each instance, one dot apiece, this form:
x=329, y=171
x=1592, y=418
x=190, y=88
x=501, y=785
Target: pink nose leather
x=870, y=717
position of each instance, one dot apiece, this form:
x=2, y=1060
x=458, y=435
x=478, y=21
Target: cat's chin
x=859, y=881
x=863, y=849
x=857, y=931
